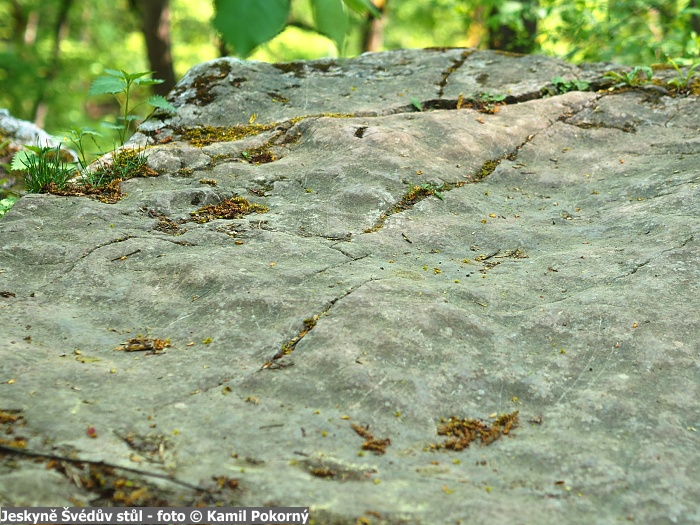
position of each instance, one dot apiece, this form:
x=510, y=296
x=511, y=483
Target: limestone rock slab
x=546, y=264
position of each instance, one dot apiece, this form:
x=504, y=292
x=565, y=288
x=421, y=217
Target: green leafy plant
x=491, y=97
x=682, y=80
x=420, y=191
x=43, y=167
x=488, y=102
x=6, y=204
x=631, y=78
x=121, y=84
x=559, y=86
x=125, y=164
x=244, y=25
x=77, y=138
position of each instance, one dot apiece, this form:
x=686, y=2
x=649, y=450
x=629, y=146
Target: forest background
x=52, y=50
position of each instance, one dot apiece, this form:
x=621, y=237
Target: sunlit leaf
x=331, y=20
x=108, y=85
x=158, y=101
x=134, y=76
x=245, y=24
x=148, y=81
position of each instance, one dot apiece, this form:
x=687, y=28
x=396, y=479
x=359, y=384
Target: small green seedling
x=491, y=98
x=43, y=168
x=432, y=190
x=488, y=102
x=416, y=104
x=126, y=163
x=559, y=86
x=122, y=83
x=631, y=78
x=77, y=137
x=682, y=80
x=418, y=192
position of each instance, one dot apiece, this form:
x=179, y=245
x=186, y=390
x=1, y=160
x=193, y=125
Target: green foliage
x=245, y=24
x=417, y=192
x=559, y=86
x=491, y=97
x=126, y=163
x=624, y=31
x=430, y=189
x=44, y=76
x=123, y=83
x=331, y=20
x=631, y=78
x=488, y=101
x=6, y=204
x=682, y=80
x=43, y=168
x=362, y=6
x=77, y=137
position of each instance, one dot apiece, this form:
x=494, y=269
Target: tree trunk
x=155, y=25
x=694, y=18
x=374, y=28
x=41, y=107
x=508, y=38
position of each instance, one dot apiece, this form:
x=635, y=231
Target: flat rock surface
x=413, y=266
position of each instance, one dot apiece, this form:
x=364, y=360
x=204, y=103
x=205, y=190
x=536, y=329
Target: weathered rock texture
x=551, y=269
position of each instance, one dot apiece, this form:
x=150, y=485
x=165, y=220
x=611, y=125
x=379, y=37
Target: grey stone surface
x=563, y=285
x=23, y=132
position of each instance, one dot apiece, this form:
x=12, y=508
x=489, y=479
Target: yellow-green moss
x=233, y=208
x=205, y=135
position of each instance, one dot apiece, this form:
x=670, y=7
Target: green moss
x=261, y=155
x=415, y=194
x=205, y=135
x=233, y=208
x=487, y=168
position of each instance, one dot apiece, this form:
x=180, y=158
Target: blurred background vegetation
x=51, y=50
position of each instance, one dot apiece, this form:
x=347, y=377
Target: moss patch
x=487, y=168
x=205, y=135
x=233, y=208
x=415, y=194
x=203, y=84
x=261, y=155
x=461, y=432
